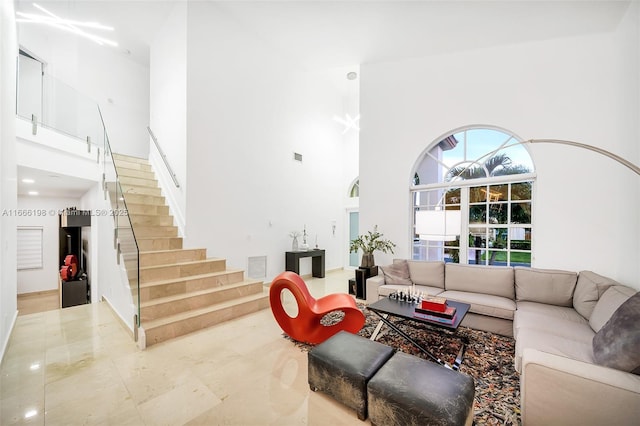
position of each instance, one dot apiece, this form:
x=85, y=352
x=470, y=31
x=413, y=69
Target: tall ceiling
x=323, y=34
x=338, y=34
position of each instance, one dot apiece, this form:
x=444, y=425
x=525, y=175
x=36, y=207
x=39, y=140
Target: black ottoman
x=408, y=390
x=342, y=365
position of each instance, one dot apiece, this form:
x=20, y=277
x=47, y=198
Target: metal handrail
x=164, y=158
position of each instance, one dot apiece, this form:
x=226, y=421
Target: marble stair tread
x=176, y=297
x=190, y=278
x=148, y=325
x=192, y=262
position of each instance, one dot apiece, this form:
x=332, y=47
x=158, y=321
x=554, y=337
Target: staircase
x=181, y=290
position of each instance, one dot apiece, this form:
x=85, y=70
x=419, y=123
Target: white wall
x=168, y=107
x=8, y=182
x=33, y=280
x=249, y=110
x=100, y=73
x=582, y=88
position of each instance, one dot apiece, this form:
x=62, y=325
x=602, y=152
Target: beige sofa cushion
x=589, y=289
x=579, y=350
x=484, y=304
x=396, y=273
x=430, y=274
x=558, y=320
x=610, y=301
x=495, y=280
x=550, y=286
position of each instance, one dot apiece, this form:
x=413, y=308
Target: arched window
x=354, y=192
x=477, y=183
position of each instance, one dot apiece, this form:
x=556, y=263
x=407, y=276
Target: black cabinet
x=358, y=286
x=74, y=239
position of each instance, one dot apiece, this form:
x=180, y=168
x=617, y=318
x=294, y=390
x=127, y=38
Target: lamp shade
x=438, y=225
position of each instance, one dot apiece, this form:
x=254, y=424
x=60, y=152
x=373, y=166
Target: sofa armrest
x=372, y=287
x=559, y=390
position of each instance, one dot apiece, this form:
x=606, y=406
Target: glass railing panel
x=128, y=247
x=58, y=106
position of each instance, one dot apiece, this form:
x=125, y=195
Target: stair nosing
x=170, y=250
x=192, y=262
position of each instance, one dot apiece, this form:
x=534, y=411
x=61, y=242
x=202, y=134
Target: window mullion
x=464, y=232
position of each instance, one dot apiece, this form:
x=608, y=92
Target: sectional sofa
x=577, y=335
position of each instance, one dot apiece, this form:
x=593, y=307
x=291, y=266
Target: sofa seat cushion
x=565, y=326
x=550, y=286
x=387, y=289
x=494, y=280
x=549, y=318
x=484, y=304
x=579, y=350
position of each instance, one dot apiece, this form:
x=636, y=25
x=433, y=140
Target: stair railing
x=124, y=238
x=164, y=158
x=55, y=105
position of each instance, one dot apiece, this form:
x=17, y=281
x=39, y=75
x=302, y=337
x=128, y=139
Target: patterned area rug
x=488, y=359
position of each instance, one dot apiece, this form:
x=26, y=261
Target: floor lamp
x=634, y=168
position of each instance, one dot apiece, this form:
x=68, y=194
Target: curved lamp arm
x=601, y=151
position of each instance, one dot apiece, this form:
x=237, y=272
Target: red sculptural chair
x=306, y=326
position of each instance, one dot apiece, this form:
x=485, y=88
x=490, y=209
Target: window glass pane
x=520, y=258
x=520, y=238
x=521, y=191
x=498, y=237
x=478, y=214
x=452, y=255
x=478, y=194
x=498, y=192
x=497, y=258
x=521, y=213
x=476, y=257
x=498, y=213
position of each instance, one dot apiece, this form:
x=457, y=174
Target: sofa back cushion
x=425, y=273
x=396, y=273
x=550, y=286
x=610, y=301
x=589, y=289
x=495, y=280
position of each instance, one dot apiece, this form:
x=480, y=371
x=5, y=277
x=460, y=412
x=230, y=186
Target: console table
x=292, y=261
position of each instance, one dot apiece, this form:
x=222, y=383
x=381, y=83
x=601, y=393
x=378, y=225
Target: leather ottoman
x=408, y=390
x=342, y=366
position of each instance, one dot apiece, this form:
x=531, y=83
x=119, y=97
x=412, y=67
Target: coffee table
x=384, y=308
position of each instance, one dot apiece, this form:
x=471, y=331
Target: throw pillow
x=617, y=344
x=397, y=273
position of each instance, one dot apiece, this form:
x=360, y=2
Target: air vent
x=297, y=157
x=257, y=267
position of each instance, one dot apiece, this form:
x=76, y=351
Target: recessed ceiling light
x=352, y=75
x=33, y=193
x=28, y=180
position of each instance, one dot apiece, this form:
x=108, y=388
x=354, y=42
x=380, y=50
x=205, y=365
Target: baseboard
x=6, y=341
x=121, y=320
x=38, y=293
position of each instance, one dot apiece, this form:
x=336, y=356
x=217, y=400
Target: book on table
x=441, y=320
x=434, y=303
x=448, y=313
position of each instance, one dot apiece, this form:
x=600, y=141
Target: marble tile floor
x=79, y=366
